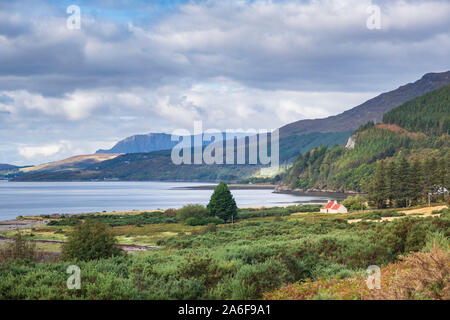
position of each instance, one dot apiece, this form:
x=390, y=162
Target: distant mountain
x=72, y=163
x=151, y=142
x=142, y=143
x=7, y=167
x=158, y=166
x=372, y=109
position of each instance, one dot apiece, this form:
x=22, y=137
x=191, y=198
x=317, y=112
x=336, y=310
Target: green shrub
x=251, y=281
x=90, y=240
x=192, y=211
x=356, y=202
x=203, y=221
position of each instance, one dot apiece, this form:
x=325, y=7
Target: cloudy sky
x=155, y=66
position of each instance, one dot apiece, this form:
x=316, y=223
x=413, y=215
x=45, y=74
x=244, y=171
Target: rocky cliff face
x=351, y=142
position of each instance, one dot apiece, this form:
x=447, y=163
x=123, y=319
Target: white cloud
x=30, y=152
x=232, y=64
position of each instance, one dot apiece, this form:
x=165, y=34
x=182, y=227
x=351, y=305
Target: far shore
x=28, y=222
x=329, y=194
x=232, y=187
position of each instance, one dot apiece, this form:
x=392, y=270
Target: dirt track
x=424, y=212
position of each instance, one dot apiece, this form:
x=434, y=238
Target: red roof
x=329, y=205
x=332, y=205
x=336, y=206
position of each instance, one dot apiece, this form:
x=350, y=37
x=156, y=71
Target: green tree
x=356, y=202
x=431, y=177
x=404, y=183
x=222, y=203
x=416, y=182
x=442, y=176
x=91, y=240
x=379, y=192
x=391, y=182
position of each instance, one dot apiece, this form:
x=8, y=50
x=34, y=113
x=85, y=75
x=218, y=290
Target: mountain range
x=156, y=142
x=295, y=138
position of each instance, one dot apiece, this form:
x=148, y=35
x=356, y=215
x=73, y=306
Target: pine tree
x=404, y=183
x=222, y=203
x=379, y=194
x=391, y=182
x=416, y=178
x=442, y=176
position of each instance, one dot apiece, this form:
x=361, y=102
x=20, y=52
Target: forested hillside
x=344, y=169
x=429, y=113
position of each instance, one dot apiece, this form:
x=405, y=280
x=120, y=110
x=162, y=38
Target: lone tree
x=222, y=203
x=91, y=240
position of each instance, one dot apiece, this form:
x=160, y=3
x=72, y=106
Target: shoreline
x=28, y=222
x=231, y=187
x=330, y=194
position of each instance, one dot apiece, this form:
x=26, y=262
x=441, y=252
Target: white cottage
x=334, y=207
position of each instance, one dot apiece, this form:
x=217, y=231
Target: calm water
x=33, y=198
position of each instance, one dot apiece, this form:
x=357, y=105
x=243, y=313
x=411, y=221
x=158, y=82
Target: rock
x=351, y=142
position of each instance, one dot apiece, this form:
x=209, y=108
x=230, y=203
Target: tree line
x=428, y=113
x=404, y=183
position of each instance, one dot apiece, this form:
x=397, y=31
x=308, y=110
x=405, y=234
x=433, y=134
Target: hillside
x=7, y=167
x=429, y=113
x=371, y=110
x=158, y=165
x=352, y=168
x=72, y=163
x=153, y=166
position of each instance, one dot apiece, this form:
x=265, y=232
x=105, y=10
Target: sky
x=138, y=66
